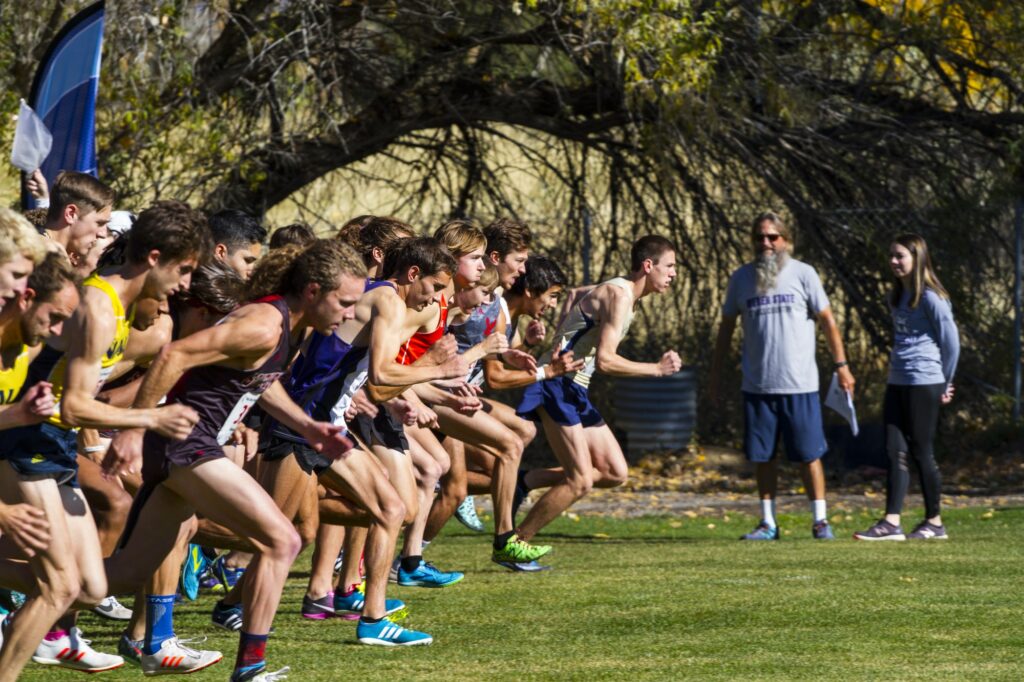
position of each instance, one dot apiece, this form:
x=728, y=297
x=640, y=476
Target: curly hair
x=289, y=270
x=216, y=287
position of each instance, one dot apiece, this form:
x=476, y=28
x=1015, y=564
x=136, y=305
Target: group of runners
x=182, y=407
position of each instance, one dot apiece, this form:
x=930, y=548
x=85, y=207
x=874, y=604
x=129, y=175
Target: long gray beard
x=768, y=266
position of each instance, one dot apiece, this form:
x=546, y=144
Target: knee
x=92, y=592
x=527, y=432
x=307, y=534
x=411, y=509
x=511, y=449
x=393, y=513
x=613, y=478
x=62, y=591
x=580, y=484
x=285, y=544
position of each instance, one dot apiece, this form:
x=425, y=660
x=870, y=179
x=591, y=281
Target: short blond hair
x=489, y=278
x=18, y=237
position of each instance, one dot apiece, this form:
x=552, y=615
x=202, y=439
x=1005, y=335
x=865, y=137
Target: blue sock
x=159, y=621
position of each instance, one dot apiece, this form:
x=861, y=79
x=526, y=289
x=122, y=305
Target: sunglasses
x=770, y=237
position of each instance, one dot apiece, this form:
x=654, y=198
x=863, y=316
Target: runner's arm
x=612, y=309
x=90, y=332
x=385, y=343
x=246, y=333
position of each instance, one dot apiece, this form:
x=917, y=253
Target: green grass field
x=677, y=598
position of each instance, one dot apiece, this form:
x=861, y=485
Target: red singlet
x=421, y=342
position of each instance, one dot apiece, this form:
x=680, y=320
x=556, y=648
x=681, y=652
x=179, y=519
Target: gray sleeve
x=817, y=299
x=940, y=313
x=731, y=307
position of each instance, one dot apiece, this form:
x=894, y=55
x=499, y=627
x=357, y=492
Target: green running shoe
x=519, y=551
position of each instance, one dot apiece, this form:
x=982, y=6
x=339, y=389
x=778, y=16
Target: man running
x=583, y=443
x=221, y=372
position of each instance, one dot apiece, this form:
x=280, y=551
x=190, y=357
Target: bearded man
x=780, y=299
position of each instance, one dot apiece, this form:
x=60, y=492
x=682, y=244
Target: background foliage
x=596, y=122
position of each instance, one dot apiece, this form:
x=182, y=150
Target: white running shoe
x=112, y=609
x=175, y=659
x=73, y=652
x=393, y=573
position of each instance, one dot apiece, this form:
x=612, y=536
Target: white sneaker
x=393, y=573
x=112, y=609
x=272, y=677
x=173, y=658
x=3, y=624
x=71, y=651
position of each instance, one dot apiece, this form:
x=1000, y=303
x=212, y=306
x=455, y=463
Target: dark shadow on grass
x=618, y=539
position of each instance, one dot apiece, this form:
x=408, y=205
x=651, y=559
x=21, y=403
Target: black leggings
x=911, y=416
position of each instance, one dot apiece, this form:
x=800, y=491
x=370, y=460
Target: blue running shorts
x=794, y=416
x=43, y=451
x=565, y=401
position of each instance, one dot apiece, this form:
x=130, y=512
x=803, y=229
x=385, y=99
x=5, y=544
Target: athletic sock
x=818, y=509
x=768, y=512
x=159, y=621
x=370, y=621
x=501, y=539
x=521, y=479
x=54, y=635
x=252, y=650
x=411, y=563
x=349, y=590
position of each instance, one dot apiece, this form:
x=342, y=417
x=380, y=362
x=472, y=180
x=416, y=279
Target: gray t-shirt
x=778, y=327
x=926, y=344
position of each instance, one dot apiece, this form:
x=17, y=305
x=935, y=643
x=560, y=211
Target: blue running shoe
x=258, y=673
x=427, y=575
x=227, y=616
x=10, y=600
x=355, y=602
x=822, y=531
x=466, y=515
x=762, y=532
x=226, y=576
x=522, y=566
x=386, y=633
x=195, y=564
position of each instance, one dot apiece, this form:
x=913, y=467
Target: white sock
x=768, y=512
x=818, y=509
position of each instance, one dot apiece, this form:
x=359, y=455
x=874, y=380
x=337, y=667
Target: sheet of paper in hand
x=842, y=402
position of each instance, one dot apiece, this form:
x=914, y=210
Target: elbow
x=71, y=410
x=603, y=364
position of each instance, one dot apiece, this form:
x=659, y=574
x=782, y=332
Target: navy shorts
x=383, y=429
x=275, y=448
x=794, y=416
x=43, y=451
x=565, y=401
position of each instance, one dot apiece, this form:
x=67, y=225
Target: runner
x=221, y=372
x=583, y=443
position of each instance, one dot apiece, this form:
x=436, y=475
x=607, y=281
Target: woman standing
x=924, y=356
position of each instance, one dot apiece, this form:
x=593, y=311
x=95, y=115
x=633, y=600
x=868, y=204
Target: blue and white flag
x=64, y=93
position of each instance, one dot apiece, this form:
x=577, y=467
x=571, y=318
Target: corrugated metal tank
x=656, y=413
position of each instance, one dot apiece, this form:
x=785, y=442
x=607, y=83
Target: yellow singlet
x=13, y=378
x=110, y=359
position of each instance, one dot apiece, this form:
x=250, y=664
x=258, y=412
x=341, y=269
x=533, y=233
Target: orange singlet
x=421, y=342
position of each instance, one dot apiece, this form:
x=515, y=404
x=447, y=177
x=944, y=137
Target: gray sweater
x=927, y=344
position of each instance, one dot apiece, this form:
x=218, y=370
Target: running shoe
x=522, y=566
x=386, y=633
x=227, y=616
x=466, y=515
x=194, y=566
x=73, y=652
x=226, y=576
x=427, y=575
x=339, y=561
x=318, y=609
x=521, y=493
x=258, y=673
x=762, y=532
x=822, y=531
x=928, y=531
x=175, y=659
x=393, y=571
x=355, y=602
x=518, y=551
x=10, y=600
x=3, y=626
x=130, y=649
x=883, y=530
x=112, y=609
